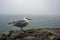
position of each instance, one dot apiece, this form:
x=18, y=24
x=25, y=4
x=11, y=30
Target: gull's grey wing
x=21, y=23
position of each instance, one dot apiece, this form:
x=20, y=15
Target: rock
x=29, y=38
x=32, y=34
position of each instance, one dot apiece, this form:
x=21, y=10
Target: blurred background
x=44, y=13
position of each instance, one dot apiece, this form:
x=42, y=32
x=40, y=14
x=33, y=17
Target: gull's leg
x=21, y=28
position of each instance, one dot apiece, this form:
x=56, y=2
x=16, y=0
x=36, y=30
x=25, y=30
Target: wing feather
x=21, y=23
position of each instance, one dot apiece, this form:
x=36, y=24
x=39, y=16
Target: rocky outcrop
x=32, y=34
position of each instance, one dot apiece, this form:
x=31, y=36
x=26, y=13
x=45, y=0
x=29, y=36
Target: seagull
x=20, y=23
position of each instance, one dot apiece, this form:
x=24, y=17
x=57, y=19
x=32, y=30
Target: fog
x=30, y=7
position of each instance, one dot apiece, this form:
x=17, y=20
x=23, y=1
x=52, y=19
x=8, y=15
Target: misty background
x=44, y=13
x=33, y=7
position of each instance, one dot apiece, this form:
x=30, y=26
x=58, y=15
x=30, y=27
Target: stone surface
x=32, y=34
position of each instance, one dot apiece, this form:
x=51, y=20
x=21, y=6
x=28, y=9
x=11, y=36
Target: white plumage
x=20, y=23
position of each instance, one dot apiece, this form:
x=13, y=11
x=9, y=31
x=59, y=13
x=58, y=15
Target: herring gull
x=20, y=23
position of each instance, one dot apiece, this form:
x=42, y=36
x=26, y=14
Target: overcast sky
x=39, y=7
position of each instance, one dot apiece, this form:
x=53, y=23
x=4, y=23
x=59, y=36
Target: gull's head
x=26, y=18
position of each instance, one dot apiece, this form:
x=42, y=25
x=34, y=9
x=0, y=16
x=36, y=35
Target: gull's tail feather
x=9, y=23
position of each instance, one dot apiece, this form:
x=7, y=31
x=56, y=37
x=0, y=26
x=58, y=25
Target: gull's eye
x=26, y=18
